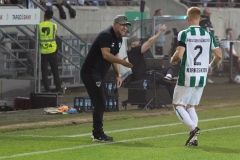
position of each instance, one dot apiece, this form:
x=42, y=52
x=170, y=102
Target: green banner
x=135, y=18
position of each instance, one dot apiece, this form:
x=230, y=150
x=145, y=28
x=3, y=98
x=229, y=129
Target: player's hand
x=163, y=28
x=210, y=69
x=126, y=63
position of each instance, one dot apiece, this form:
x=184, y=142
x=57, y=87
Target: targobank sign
x=19, y=16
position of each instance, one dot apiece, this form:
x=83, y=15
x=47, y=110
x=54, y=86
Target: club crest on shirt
x=98, y=83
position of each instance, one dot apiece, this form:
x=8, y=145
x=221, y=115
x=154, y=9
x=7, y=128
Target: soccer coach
x=102, y=54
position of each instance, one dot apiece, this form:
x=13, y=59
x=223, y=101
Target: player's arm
x=153, y=39
x=217, y=57
x=177, y=56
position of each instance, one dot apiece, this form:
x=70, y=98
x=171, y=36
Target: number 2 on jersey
x=200, y=52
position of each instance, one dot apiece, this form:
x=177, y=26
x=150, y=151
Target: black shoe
x=194, y=143
x=169, y=79
x=102, y=138
x=193, y=133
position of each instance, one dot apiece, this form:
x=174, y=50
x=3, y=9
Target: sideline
x=130, y=129
x=126, y=140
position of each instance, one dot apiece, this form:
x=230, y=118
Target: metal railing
x=31, y=35
x=62, y=40
x=65, y=27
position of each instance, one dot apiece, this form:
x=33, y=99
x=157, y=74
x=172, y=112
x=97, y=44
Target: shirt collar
x=113, y=33
x=195, y=26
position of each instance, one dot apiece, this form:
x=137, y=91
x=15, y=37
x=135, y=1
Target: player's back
x=195, y=61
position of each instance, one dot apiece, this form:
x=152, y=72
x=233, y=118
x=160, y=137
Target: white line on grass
x=131, y=129
x=100, y=144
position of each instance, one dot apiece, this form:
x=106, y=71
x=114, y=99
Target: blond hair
x=193, y=13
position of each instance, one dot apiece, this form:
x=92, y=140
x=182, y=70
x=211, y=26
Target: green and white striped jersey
x=194, y=63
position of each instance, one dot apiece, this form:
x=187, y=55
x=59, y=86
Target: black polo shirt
x=138, y=61
x=94, y=62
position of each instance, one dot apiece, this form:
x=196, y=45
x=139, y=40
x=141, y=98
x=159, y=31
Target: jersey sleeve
x=182, y=37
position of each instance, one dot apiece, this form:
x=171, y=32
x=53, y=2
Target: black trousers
x=52, y=60
x=94, y=85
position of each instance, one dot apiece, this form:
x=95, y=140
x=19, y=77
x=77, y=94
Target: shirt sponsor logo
x=198, y=40
x=197, y=70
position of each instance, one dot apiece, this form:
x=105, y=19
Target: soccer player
x=193, y=48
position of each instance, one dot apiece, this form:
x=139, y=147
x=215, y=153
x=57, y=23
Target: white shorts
x=187, y=95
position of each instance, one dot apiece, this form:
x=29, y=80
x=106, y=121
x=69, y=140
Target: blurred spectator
x=59, y=4
x=213, y=3
x=209, y=3
x=110, y=2
x=197, y=3
x=229, y=3
x=207, y=24
x=121, y=3
x=161, y=40
x=92, y=3
x=81, y=2
x=11, y=1
x=47, y=4
x=107, y=3
x=102, y=3
x=221, y=3
x=117, y=3
x=30, y=4
x=226, y=49
x=205, y=2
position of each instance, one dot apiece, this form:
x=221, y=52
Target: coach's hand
x=119, y=81
x=126, y=63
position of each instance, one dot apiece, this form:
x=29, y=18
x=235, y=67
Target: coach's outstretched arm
x=153, y=39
